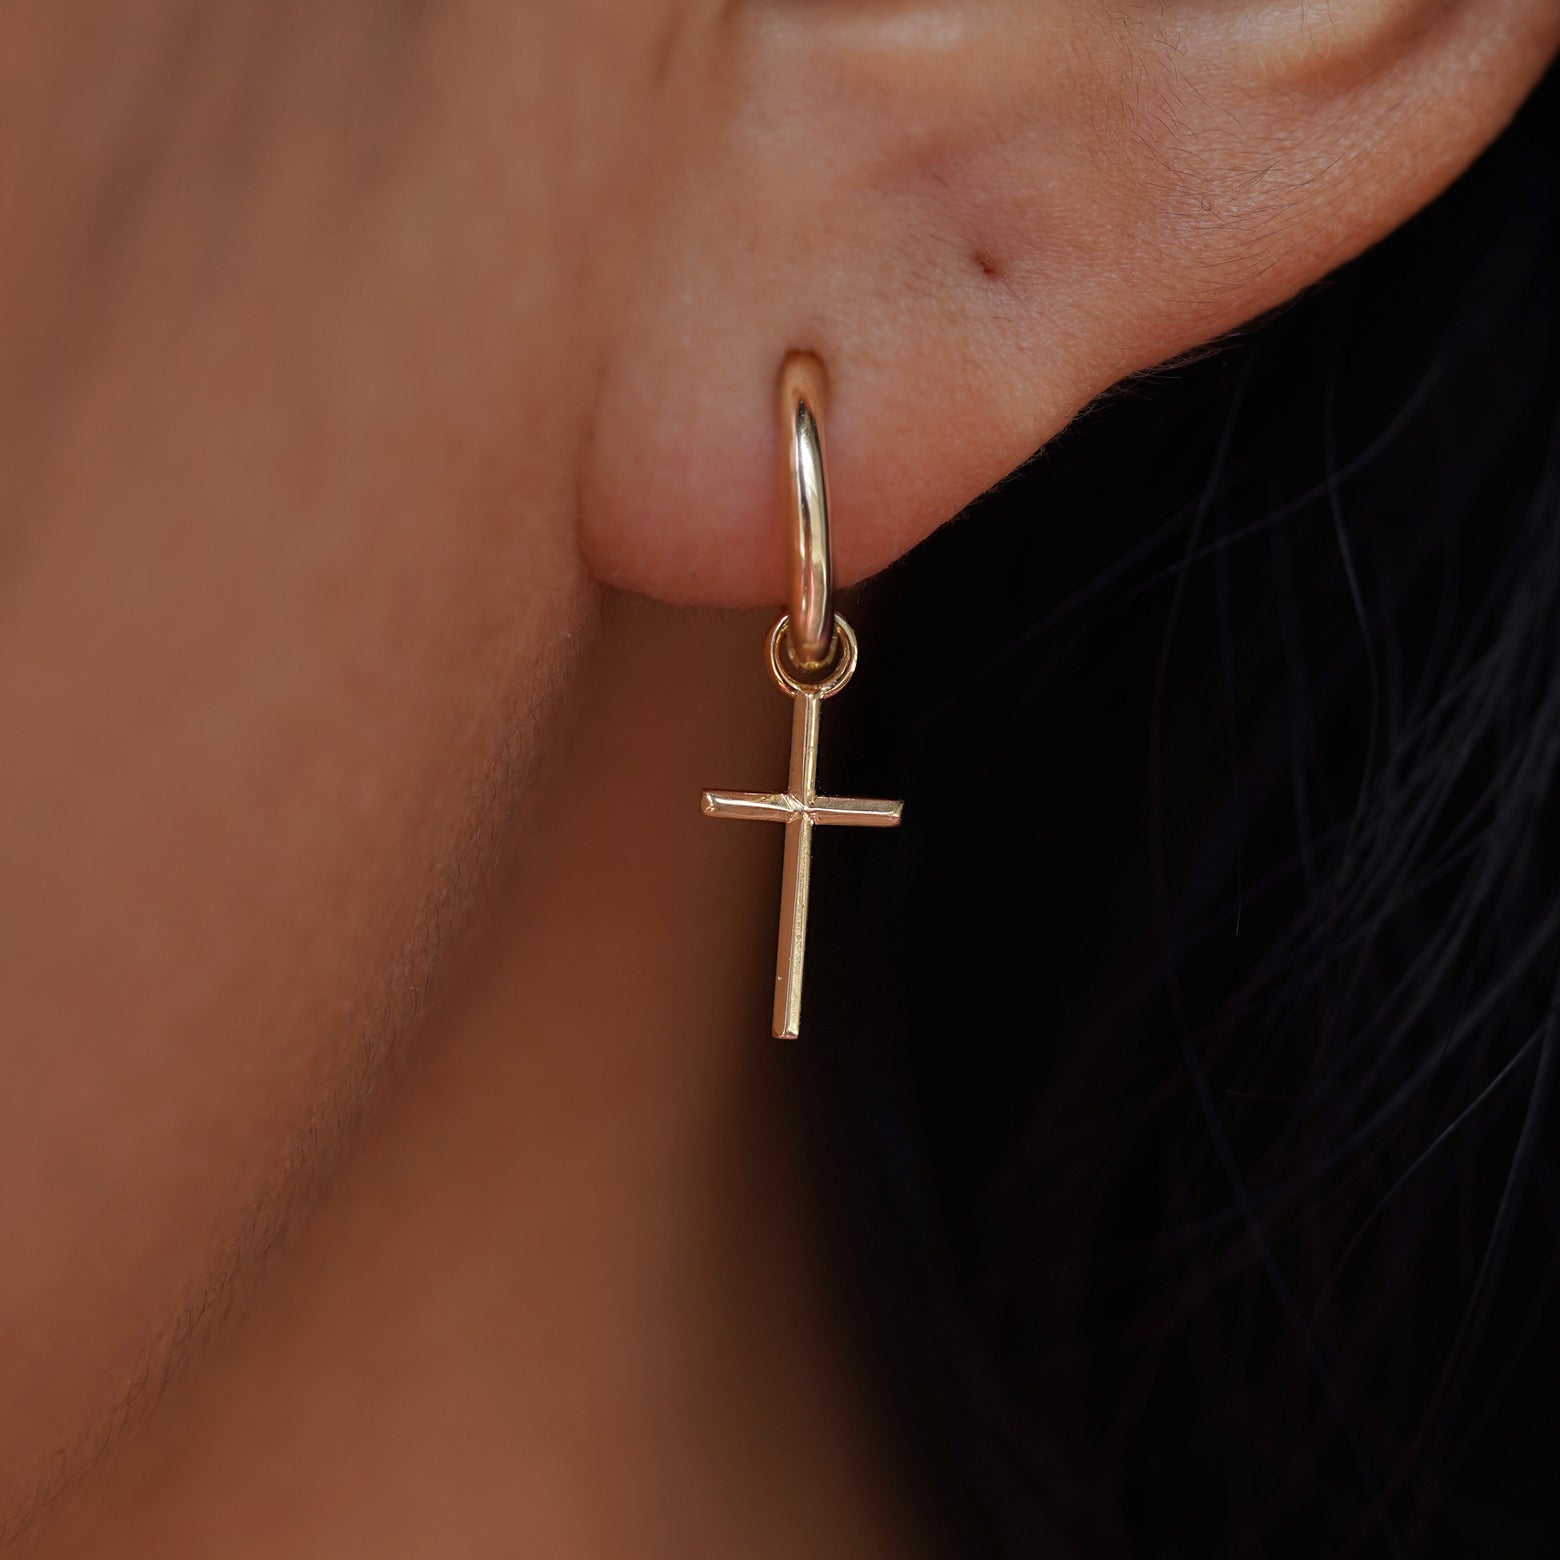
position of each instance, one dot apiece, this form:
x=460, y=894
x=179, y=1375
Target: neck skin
x=564, y=1297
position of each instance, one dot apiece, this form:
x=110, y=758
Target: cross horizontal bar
x=861, y=811
x=755, y=806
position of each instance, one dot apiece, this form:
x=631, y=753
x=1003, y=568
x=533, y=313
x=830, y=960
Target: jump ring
x=837, y=669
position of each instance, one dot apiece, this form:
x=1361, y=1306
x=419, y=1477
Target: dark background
x=1182, y=1077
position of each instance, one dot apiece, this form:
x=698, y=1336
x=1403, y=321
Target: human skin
x=346, y=351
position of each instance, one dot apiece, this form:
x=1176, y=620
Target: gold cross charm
x=800, y=808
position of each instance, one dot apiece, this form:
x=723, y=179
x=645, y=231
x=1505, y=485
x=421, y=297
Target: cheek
x=273, y=651
x=254, y=741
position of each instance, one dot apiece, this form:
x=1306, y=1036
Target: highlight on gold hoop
x=810, y=595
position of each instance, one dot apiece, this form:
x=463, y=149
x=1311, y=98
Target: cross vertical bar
x=796, y=878
x=806, y=711
x=794, y=885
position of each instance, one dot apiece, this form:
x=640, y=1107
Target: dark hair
x=1181, y=1080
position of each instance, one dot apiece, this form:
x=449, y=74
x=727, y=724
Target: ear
x=980, y=214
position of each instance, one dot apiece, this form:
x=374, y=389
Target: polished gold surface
x=800, y=808
x=810, y=560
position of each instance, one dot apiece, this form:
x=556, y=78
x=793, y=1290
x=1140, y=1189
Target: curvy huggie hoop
x=810, y=562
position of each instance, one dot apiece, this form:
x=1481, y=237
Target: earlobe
x=830, y=191
x=980, y=215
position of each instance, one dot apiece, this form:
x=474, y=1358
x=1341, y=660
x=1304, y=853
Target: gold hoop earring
x=812, y=655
